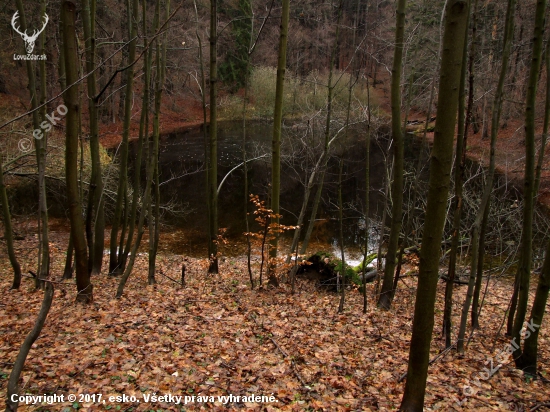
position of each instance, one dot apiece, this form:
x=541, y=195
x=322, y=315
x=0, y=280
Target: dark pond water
x=183, y=185
x=183, y=177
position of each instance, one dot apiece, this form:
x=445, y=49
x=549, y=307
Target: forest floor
x=216, y=337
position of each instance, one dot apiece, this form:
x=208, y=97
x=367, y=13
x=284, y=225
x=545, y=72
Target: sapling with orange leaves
x=269, y=229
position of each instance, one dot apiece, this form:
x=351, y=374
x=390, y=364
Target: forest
x=268, y=205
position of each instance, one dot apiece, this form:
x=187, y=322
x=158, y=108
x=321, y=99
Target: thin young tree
x=456, y=17
x=495, y=126
x=213, y=141
x=528, y=358
x=523, y=274
x=118, y=221
x=8, y=231
x=38, y=97
x=277, y=126
x=95, y=221
x=386, y=294
x=12, y=387
x=327, y=134
x=154, y=212
x=249, y=14
x=546, y=123
x=71, y=97
x=152, y=167
x=342, y=273
x=460, y=163
x=480, y=223
x=143, y=137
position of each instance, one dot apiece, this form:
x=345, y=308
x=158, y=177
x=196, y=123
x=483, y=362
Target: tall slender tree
x=528, y=358
x=277, y=126
x=154, y=213
x=460, y=163
x=386, y=294
x=213, y=141
x=495, y=126
x=95, y=221
x=8, y=231
x=83, y=285
x=38, y=97
x=456, y=15
x=118, y=221
x=480, y=223
x=143, y=138
x=328, y=140
x=523, y=274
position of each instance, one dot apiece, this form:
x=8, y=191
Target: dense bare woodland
x=274, y=205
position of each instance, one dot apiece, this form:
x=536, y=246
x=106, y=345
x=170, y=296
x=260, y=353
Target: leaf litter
x=216, y=337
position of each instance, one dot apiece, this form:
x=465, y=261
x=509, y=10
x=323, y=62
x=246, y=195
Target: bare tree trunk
x=328, y=140
x=41, y=157
x=69, y=267
x=528, y=359
x=13, y=380
x=143, y=135
x=40, y=140
x=526, y=252
x=546, y=124
x=83, y=285
x=252, y=45
x=456, y=13
x=276, y=142
x=479, y=226
x=342, y=273
x=202, y=87
x=114, y=263
x=94, y=214
x=386, y=295
x=460, y=163
x=8, y=231
x=161, y=69
x=495, y=124
x=151, y=172
x=213, y=158
x=367, y=204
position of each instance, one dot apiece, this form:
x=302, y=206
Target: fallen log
x=456, y=281
x=325, y=269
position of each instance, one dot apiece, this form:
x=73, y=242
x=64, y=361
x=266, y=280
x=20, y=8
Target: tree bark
x=13, y=381
x=40, y=145
x=83, y=285
x=159, y=85
x=341, y=241
x=114, y=263
x=456, y=13
x=328, y=140
x=480, y=223
x=213, y=141
x=528, y=359
x=495, y=125
x=8, y=232
x=277, y=125
x=546, y=123
x=460, y=162
x=386, y=294
x=95, y=229
x=526, y=252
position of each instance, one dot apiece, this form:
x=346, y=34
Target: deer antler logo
x=29, y=40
